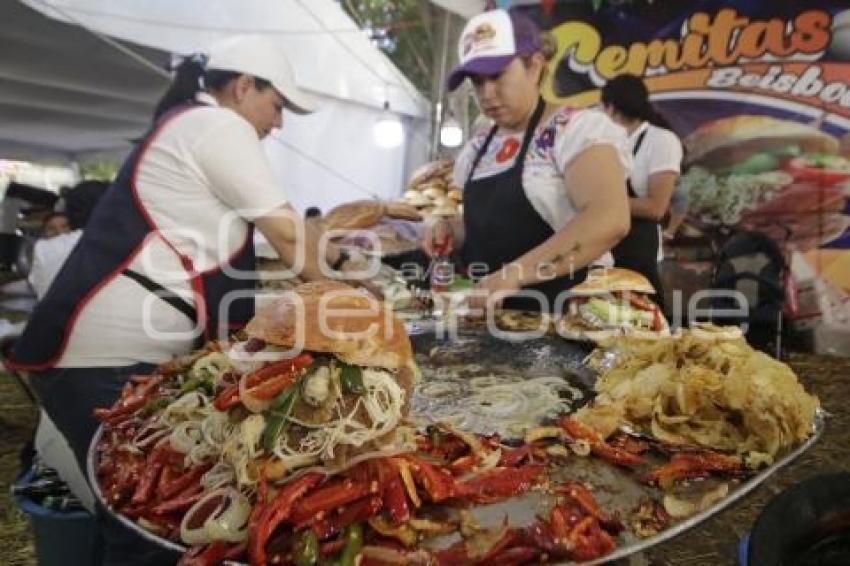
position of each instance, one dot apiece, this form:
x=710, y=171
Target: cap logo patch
x=479, y=38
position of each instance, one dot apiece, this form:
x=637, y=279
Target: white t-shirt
x=48, y=255
x=557, y=142
x=659, y=151
x=202, y=180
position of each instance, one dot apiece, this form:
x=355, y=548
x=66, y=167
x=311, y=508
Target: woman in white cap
x=167, y=256
x=544, y=186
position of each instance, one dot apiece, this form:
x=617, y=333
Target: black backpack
x=752, y=264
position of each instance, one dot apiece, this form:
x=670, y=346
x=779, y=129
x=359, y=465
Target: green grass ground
x=18, y=418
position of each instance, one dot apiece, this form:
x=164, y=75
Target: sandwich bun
x=610, y=280
x=358, y=328
x=354, y=215
x=402, y=211
x=430, y=171
x=417, y=199
x=445, y=207
x=434, y=193
x=362, y=214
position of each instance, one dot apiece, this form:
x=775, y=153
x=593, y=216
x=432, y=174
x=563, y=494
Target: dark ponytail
x=188, y=81
x=656, y=119
x=629, y=96
x=190, y=78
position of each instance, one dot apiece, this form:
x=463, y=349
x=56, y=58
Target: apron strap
x=526, y=140
x=173, y=299
x=482, y=150
x=629, y=187
x=529, y=131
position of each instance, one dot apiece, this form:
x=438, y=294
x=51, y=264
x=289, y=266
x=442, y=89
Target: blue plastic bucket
x=62, y=538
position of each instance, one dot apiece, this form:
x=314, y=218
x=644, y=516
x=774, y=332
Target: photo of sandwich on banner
x=612, y=302
x=780, y=177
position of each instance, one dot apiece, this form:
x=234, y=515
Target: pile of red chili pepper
x=380, y=511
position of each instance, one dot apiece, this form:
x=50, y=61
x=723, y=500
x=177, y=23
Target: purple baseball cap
x=490, y=41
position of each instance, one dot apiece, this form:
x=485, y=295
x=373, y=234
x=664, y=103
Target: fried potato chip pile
x=701, y=388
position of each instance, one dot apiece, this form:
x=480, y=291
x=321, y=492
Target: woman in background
x=657, y=154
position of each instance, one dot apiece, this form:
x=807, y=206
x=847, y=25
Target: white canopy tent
x=468, y=8
x=65, y=94
x=464, y=8
x=79, y=79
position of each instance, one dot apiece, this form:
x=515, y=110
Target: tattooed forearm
x=560, y=257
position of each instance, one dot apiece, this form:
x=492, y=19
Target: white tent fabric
x=330, y=53
x=355, y=167
x=468, y=8
x=465, y=8
x=68, y=91
x=65, y=93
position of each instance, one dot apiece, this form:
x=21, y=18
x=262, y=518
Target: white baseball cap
x=490, y=41
x=257, y=56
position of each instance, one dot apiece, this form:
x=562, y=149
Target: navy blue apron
x=501, y=224
x=638, y=251
x=115, y=234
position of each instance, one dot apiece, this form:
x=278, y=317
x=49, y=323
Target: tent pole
x=75, y=167
x=438, y=87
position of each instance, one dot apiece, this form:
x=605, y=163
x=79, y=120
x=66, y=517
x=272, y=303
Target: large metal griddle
x=617, y=490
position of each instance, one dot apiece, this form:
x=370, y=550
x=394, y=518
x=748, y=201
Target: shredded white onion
x=186, y=436
x=228, y=521
x=389, y=452
x=217, y=428
x=205, y=435
x=149, y=434
x=438, y=389
x=382, y=402
x=201, y=454
x=219, y=475
x=243, y=447
x=191, y=406
x=212, y=366
x=505, y=404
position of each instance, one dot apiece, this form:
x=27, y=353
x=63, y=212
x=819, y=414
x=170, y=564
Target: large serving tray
x=617, y=490
x=91, y=467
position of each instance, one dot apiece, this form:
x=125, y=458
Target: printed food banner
x=759, y=93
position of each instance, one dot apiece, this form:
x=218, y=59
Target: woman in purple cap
x=544, y=186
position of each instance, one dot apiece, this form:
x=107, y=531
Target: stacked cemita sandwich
x=612, y=302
